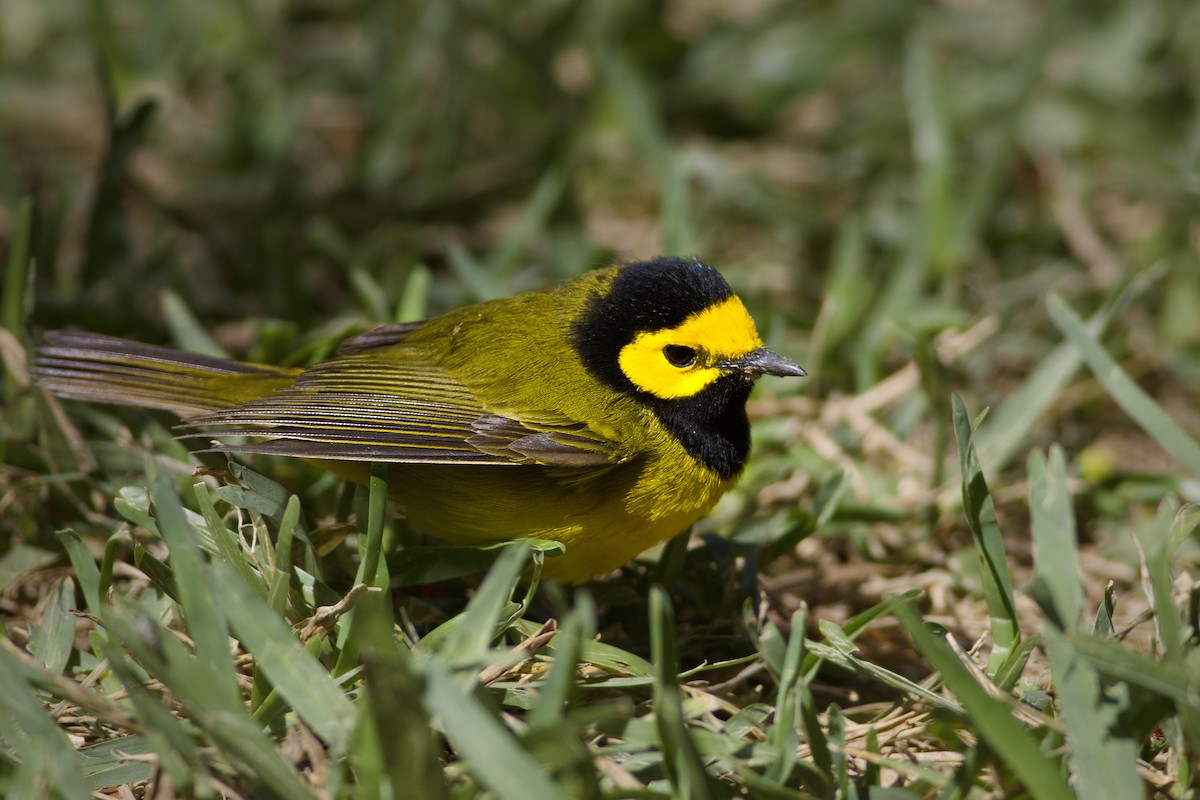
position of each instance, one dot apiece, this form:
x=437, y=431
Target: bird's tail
x=103, y=369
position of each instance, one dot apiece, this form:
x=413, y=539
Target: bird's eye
x=679, y=356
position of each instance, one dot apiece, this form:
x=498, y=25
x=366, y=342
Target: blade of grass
x=989, y=544
x=281, y=573
x=1013, y=419
x=1156, y=543
x=116, y=762
x=205, y=615
x=86, y=571
x=1104, y=761
x=877, y=673
x=292, y=670
x=487, y=748
x=681, y=758
x=53, y=639
x=1055, y=555
x=372, y=543
x=227, y=542
x=992, y=719
x=467, y=640
x=559, y=685
x=186, y=331
x=18, y=286
x=256, y=492
x=1169, y=434
x=1172, y=680
x=599, y=654
x=371, y=295
x=932, y=152
x=784, y=733
x=392, y=705
x=168, y=736
x=414, y=303
x=47, y=759
x=191, y=680
x=415, y=566
x=370, y=549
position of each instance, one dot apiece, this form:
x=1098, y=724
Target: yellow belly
x=605, y=517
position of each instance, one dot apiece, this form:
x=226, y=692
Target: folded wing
x=395, y=405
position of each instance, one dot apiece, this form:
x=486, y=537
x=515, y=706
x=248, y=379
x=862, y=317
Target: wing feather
x=397, y=406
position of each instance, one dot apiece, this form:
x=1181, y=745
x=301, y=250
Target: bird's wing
x=398, y=406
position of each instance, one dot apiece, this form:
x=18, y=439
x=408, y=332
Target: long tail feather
x=104, y=369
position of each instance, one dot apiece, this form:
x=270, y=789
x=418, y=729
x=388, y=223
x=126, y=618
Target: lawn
x=962, y=562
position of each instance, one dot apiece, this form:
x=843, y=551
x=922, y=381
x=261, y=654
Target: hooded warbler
x=608, y=414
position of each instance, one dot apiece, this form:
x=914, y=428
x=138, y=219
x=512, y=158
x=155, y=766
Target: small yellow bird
x=608, y=414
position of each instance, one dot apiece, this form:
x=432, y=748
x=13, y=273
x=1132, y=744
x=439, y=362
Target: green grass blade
x=228, y=544
x=474, y=274
x=281, y=573
x=86, y=571
x=1055, y=555
x=1158, y=544
x=371, y=568
x=558, y=687
x=1011, y=422
x=487, y=747
x=18, y=286
x=202, y=609
x=992, y=719
x=419, y=565
x=370, y=294
x=468, y=639
x=1169, y=434
x=186, y=331
x=1172, y=680
x=989, y=544
x=392, y=705
x=47, y=759
x=784, y=733
x=368, y=571
x=193, y=682
x=292, y=670
x=1103, y=760
x=599, y=654
x=54, y=637
x=168, y=736
x=886, y=677
x=932, y=152
x=114, y=762
x=681, y=758
x=414, y=303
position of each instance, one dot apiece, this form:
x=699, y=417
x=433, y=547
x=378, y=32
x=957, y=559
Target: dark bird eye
x=680, y=356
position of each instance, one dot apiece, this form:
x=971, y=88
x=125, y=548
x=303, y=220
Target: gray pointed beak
x=764, y=362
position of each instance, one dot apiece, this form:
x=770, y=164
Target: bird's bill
x=765, y=362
